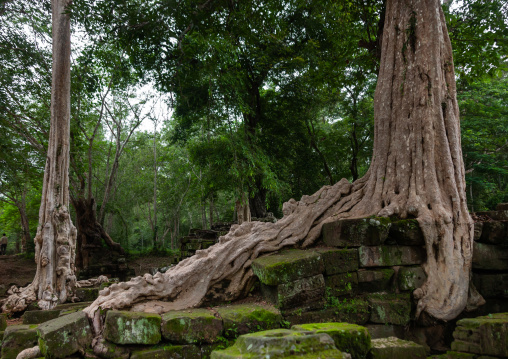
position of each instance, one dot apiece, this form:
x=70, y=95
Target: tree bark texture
x=417, y=171
x=55, y=240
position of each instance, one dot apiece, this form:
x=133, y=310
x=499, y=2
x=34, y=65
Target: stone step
x=395, y=348
x=390, y=308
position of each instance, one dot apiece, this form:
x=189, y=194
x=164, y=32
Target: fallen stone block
x=64, y=336
x=87, y=294
x=297, y=293
x=39, y=316
x=339, y=260
x=406, y=232
x=287, y=266
x=169, y=352
x=349, y=338
x=390, y=308
x=410, y=278
x=388, y=256
x=280, y=343
x=376, y=280
x=191, y=326
x=395, y=348
x=123, y=327
x=489, y=256
x=356, y=232
x=491, y=285
x=246, y=318
x=18, y=338
x=355, y=311
x=342, y=284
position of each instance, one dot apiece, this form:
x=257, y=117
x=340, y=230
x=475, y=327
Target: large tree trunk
x=416, y=172
x=56, y=236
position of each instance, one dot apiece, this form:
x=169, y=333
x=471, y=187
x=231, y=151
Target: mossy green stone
x=64, y=336
x=87, y=294
x=281, y=343
x=356, y=232
x=123, y=327
x=191, y=326
x=287, y=266
x=350, y=338
x=18, y=338
x=3, y=321
x=247, y=318
x=376, y=280
x=489, y=257
x=388, y=256
x=394, y=348
x=39, y=316
x=407, y=232
x=342, y=284
x=169, y=352
x=339, y=260
x=390, y=308
x=410, y=278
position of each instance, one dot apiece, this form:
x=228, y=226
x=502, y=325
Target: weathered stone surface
x=3, y=321
x=245, y=318
x=385, y=330
x=495, y=215
x=410, y=278
x=64, y=336
x=18, y=338
x=354, y=311
x=390, y=308
x=491, y=285
x=72, y=306
x=356, y=232
x=494, y=232
x=387, y=256
x=39, y=316
x=300, y=292
x=122, y=327
x=87, y=294
x=407, y=233
x=191, y=326
x=339, y=260
x=281, y=343
x=478, y=229
x=487, y=335
x=488, y=256
x=376, y=280
x=349, y=338
x=395, y=348
x=342, y=284
x=169, y=352
x=287, y=266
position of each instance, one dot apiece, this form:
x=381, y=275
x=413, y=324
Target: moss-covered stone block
x=385, y=330
x=191, y=326
x=246, y=318
x=169, y=352
x=87, y=294
x=395, y=348
x=390, y=308
x=300, y=292
x=350, y=338
x=406, y=232
x=376, y=280
x=342, y=284
x=355, y=311
x=339, y=260
x=287, y=266
x=72, y=306
x=3, y=321
x=281, y=343
x=491, y=285
x=122, y=327
x=388, y=256
x=39, y=316
x=489, y=256
x=486, y=335
x=18, y=338
x=410, y=278
x=356, y=232
x=64, y=336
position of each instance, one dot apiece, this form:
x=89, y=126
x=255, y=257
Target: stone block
x=350, y=338
x=494, y=232
x=64, y=336
x=287, y=266
x=491, y=285
x=281, y=343
x=246, y=318
x=395, y=348
x=478, y=229
x=489, y=256
x=355, y=311
x=87, y=294
x=122, y=327
x=191, y=326
x=3, y=321
x=339, y=260
x=18, y=338
x=341, y=284
x=410, y=278
x=495, y=215
x=356, y=232
x=169, y=352
x=300, y=292
x=376, y=280
x=388, y=256
x=406, y=232
x=39, y=316
x=390, y=308
x=385, y=330
x=72, y=306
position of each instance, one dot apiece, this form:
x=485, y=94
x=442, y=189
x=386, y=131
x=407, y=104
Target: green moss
x=247, y=318
x=191, y=326
x=132, y=327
